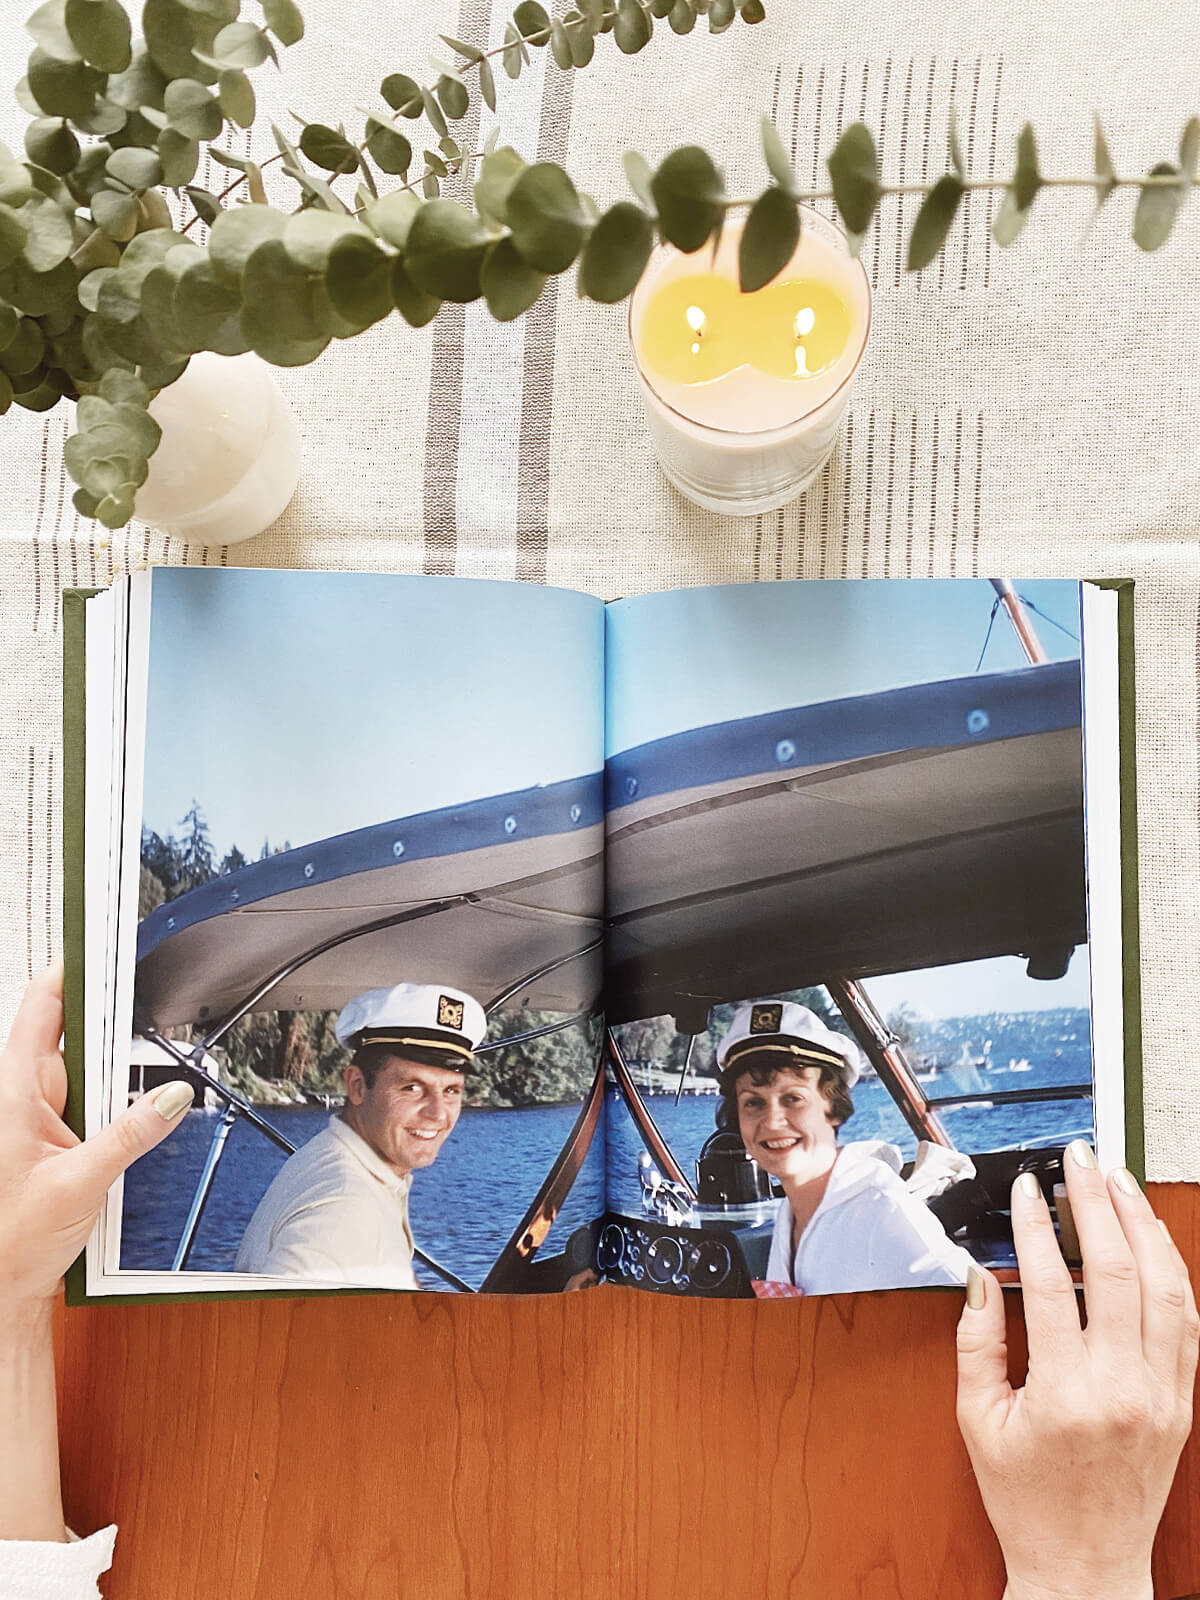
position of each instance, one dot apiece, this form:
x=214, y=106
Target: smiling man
x=337, y=1210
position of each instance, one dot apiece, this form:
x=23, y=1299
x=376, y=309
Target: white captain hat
x=419, y=1016
x=790, y=1033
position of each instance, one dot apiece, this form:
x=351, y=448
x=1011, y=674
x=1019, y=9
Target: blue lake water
x=465, y=1207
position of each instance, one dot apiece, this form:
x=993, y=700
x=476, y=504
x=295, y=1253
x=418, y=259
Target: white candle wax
x=749, y=440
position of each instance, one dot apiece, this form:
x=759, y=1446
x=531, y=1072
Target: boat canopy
x=478, y=895
x=917, y=827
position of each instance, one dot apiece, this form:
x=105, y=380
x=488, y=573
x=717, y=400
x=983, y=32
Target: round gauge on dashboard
x=710, y=1264
x=664, y=1259
x=611, y=1248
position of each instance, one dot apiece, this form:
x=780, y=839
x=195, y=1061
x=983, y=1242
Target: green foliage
x=103, y=298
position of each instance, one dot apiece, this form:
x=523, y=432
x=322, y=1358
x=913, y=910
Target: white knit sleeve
x=37, y=1570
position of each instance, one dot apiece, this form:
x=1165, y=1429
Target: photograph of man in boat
x=847, y=975
x=421, y=760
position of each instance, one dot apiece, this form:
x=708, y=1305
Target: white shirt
x=335, y=1211
x=867, y=1233
x=37, y=1569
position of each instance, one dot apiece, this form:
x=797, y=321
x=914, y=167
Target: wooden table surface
x=609, y=1444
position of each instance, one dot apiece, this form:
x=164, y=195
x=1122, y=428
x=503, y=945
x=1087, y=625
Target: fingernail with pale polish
x=1029, y=1185
x=1082, y=1154
x=172, y=1099
x=1125, y=1181
x=976, y=1289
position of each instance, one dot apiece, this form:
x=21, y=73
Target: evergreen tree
x=197, y=862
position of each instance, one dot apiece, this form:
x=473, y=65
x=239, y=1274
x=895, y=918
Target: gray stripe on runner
x=537, y=386
x=444, y=414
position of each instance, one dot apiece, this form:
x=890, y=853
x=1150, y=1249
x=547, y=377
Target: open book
x=882, y=829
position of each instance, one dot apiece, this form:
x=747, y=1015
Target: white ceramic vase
x=229, y=458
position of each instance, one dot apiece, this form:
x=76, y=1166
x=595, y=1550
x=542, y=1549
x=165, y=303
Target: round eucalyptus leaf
x=87, y=505
x=99, y=30
x=25, y=349
x=120, y=298
x=63, y=88
x=387, y=147
x=689, y=196
x=241, y=44
x=487, y=83
x=6, y=393
x=157, y=306
x=109, y=475
x=89, y=287
x=560, y=45
x=160, y=371
x=778, y=162
x=238, y=232
x=754, y=11
x=445, y=250
x=452, y=96
x=512, y=57
x=938, y=210
x=660, y=8
x=498, y=171
x=153, y=212
x=414, y=305
x=115, y=510
x=48, y=235
x=1027, y=180
x=192, y=109
x=43, y=398
x=509, y=284
x=39, y=293
x=139, y=129
x=403, y=94
x=15, y=184
x=282, y=300
x=545, y=217
x=309, y=236
x=50, y=143
x=327, y=148
x=281, y=352
x=284, y=20
x=358, y=280
x=532, y=22
x=633, y=28
x=854, y=169
x=105, y=117
x=720, y=15
x=10, y=321
x=13, y=234
x=48, y=28
x=97, y=250
x=1009, y=220
x=173, y=33
x=27, y=382
x=768, y=240
x=208, y=310
x=137, y=168
x=581, y=38
x=116, y=214
x=141, y=84
x=120, y=387
x=208, y=207
x=434, y=112
x=180, y=156
x=237, y=97
x=1157, y=208
x=391, y=216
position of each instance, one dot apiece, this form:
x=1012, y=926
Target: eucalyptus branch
x=103, y=300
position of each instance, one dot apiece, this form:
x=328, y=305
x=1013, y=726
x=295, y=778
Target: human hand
x=51, y=1185
x=1074, y=1468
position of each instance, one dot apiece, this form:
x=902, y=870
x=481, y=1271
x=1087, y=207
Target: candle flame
x=696, y=320
x=805, y=321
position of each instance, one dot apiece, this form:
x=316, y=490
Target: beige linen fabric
x=1029, y=412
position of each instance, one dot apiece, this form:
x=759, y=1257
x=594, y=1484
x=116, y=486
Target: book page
x=847, y=959
x=359, y=789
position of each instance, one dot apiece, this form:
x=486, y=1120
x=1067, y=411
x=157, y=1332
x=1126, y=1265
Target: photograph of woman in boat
x=847, y=972
x=369, y=921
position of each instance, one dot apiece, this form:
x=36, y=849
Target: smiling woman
x=846, y=1220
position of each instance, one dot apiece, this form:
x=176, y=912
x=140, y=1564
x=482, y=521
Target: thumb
x=105, y=1156
x=982, y=1353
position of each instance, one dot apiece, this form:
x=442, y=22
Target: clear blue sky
x=697, y=656
x=297, y=705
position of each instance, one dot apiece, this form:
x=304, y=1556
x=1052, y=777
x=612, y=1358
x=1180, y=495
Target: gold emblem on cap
x=766, y=1019
x=450, y=1013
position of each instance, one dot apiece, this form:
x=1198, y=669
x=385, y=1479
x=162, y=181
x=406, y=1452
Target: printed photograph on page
x=371, y=891
x=847, y=965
